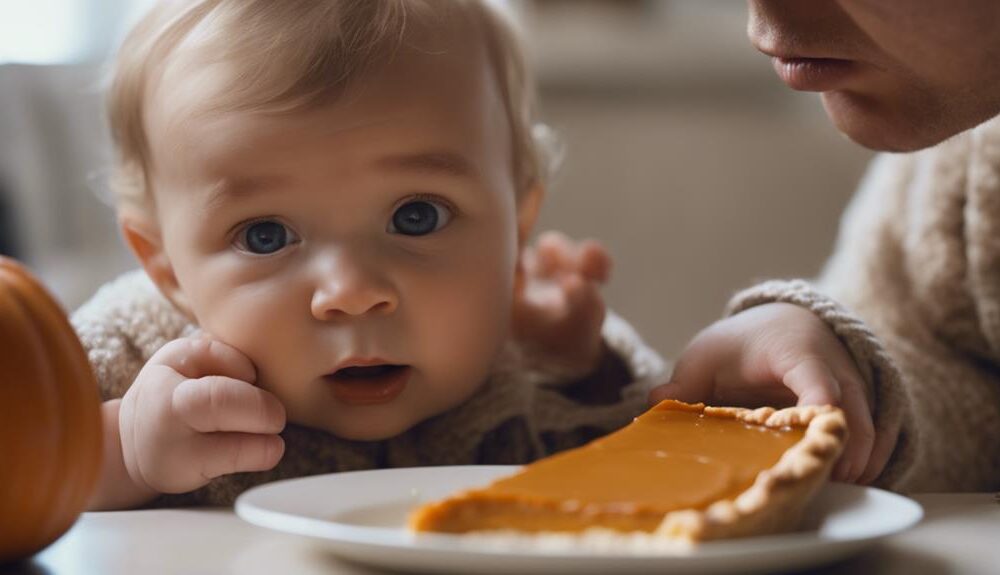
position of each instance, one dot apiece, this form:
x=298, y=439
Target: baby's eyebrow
x=438, y=162
x=445, y=163
x=233, y=189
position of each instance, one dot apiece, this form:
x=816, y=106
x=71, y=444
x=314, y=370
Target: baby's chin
x=363, y=429
x=377, y=432
x=382, y=422
x=376, y=423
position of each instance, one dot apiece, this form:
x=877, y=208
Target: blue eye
x=265, y=237
x=419, y=218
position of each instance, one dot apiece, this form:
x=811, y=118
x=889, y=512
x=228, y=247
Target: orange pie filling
x=674, y=457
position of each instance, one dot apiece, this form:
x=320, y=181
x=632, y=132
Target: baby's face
x=362, y=255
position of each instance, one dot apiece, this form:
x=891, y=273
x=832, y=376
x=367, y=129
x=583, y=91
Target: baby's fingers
x=594, y=261
x=215, y=403
x=554, y=254
x=195, y=357
x=583, y=299
x=223, y=453
x=558, y=254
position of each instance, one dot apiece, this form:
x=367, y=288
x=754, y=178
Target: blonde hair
x=296, y=54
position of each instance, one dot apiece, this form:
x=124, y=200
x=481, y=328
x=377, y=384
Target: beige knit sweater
x=519, y=415
x=918, y=266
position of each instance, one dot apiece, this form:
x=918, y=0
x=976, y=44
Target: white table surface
x=960, y=534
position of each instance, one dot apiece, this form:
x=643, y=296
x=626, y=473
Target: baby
x=332, y=200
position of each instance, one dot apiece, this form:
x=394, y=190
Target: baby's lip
x=360, y=362
x=355, y=384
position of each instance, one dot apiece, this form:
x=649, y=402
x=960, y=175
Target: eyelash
x=425, y=197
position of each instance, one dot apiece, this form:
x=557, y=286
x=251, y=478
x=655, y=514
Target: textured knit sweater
x=917, y=265
x=520, y=414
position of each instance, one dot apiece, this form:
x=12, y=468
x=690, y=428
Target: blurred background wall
x=684, y=153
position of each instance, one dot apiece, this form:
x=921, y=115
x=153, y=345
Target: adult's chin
x=894, y=125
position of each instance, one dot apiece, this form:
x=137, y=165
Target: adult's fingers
x=215, y=403
x=861, y=432
x=223, y=453
x=195, y=357
x=673, y=390
x=885, y=444
x=813, y=382
x=694, y=375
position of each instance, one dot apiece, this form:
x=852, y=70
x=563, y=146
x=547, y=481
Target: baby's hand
x=558, y=307
x=192, y=414
x=780, y=354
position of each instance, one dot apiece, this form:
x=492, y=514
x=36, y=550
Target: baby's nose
x=352, y=288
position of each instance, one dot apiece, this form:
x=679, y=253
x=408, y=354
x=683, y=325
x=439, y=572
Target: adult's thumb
x=686, y=390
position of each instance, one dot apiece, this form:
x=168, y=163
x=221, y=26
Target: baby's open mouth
x=366, y=372
x=369, y=384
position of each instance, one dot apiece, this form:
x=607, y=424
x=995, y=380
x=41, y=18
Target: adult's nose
x=351, y=285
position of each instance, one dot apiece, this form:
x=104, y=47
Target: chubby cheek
x=462, y=324
x=471, y=321
x=260, y=323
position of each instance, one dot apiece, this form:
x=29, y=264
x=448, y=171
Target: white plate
x=361, y=516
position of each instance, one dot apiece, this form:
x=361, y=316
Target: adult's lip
x=810, y=69
x=775, y=47
x=813, y=74
x=367, y=381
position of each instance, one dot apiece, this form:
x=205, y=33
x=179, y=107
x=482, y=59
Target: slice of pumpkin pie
x=681, y=471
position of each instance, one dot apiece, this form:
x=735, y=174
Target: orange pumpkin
x=50, y=417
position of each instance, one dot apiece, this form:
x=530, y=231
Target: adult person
x=904, y=321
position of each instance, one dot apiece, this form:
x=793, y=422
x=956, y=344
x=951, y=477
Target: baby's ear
x=528, y=206
x=145, y=241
